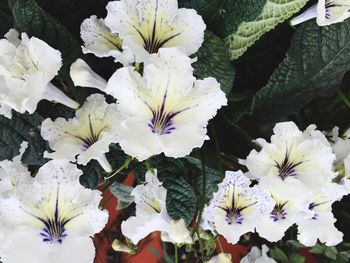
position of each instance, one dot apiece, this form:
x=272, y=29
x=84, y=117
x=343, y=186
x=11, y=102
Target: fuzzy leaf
x=314, y=67
x=274, y=12
x=213, y=61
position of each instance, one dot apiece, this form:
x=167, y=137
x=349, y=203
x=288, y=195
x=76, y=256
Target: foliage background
x=269, y=70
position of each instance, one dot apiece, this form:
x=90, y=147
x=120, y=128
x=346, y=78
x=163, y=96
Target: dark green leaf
x=22, y=127
x=181, y=198
x=315, y=65
x=318, y=249
x=6, y=20
x=213, y=61
x=92, y=172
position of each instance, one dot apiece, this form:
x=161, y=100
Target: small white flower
x=320, y=224
x=165, y=110
x=284, y=215
x=151, y=214
x=52, y=219
x=236, y=208
x=26, y=68
x=88, y=135
x=148, y=25
x=12, y=172
x=327, y=12
x=258, y=256
x=178, y=233
x=295, y=164
x=99, y=40
x=221, y=258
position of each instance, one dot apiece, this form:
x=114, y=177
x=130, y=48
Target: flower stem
x=217, y=148
x=343, y=98
x=176, y=254
x=220, y=245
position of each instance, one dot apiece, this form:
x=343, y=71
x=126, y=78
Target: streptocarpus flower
x=12, y=172
x=285, y=213
x=52, y=219
x=319, y=225
x=26, y=68
x=165, y=110
x=236, y=208
x=99, y=40
x=294, y=164
x=148, y=25
x=327, y=12
x=178, y=233
x=258, y=256
x=87, y=135
x=151, y=214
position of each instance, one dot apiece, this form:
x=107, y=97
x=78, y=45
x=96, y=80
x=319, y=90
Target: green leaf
x=213, y=177
x=122, y=192
x=91, y=174
x=278, y=254
x=213, y=61
x=123, y=204
x=224, y=16
x=22, y=127
x=274, y=12
x=318, y=249
x=296, y=258
x=314, y=66
x=181, y=198
x=30, y=18
x=330, y=252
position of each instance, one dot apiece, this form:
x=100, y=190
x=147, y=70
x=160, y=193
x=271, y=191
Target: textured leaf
x=314, y=66
x=22, y=127
x=213, y=177
x=274, y=12
x=213, y=61
x=224, y=16
x=181, y=198
x=278, y=254
x=30, y=18
x=91, y=174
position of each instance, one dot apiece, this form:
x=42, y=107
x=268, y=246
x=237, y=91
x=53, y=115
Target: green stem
x=149, y=167
x=343, y=98
x=217, y=148
x=176, y=254
x=203, y=201
x=220, y=245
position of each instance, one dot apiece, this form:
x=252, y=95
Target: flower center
x=154, y=40
x=329, y=4
x=287, y=167
x=278, y=212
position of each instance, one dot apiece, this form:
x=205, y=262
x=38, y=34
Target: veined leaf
x=314, y=66
x=213, y=61
x=22, y=127
x=274, y=12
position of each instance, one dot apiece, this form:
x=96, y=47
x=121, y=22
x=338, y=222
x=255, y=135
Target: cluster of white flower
x=296, y=175
x=160, y=108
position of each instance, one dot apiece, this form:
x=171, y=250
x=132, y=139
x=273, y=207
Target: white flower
x=26, y=68
x=165, y=110
x=99, y=40
x=88, y=135
x=236, y=208
x=151, y=214
x=13, y=172
x=284, y=215
x=320, y=224
x=295, y=164
x=258, y=256
x=52, y=219
x=148, y=25
x=327, y=12
x=178, y=233
x=221, y=258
